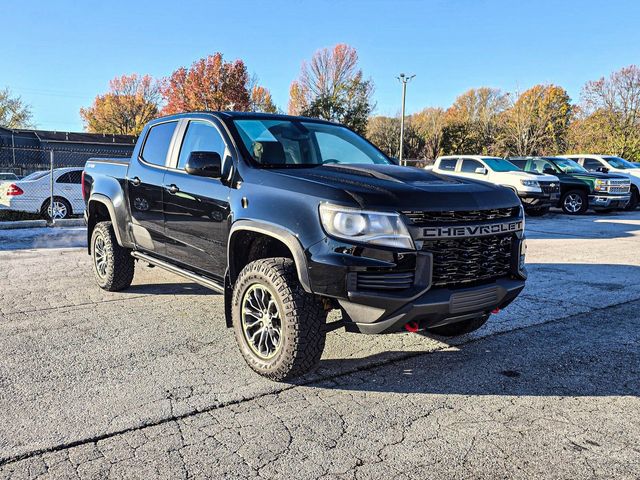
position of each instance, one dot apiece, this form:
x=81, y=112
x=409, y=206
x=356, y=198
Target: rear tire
x=61, y=209
x=460, y=328
x=279, y=328
x=574, y=202
x=113, y=265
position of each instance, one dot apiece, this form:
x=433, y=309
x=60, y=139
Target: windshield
x=500, y=165
x=293, y=143
x=621, y=163
x=569, y=166
x=36, y=175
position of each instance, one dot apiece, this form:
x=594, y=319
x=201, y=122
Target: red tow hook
x=497, y=310
x=411, y=327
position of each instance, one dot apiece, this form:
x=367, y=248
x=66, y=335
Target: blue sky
x=59, y=54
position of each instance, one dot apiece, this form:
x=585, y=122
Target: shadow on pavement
x=594, y=355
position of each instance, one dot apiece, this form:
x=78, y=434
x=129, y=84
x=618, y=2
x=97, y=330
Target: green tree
x=14, y=113
x=332, y=87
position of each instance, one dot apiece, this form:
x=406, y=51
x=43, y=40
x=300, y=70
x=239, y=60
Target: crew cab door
x=196, y=208
x=145, y=187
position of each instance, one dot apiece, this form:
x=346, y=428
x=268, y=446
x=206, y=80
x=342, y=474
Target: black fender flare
x=282, y=234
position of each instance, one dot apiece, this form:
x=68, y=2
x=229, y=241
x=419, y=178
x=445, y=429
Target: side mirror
x=602, y=169
x=549, y=171
x=204, y=164
x=481, y=171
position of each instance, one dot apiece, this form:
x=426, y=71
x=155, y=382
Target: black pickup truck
x=291, y=217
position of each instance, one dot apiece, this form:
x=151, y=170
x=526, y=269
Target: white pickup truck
x=537, y=192
x=613, y=164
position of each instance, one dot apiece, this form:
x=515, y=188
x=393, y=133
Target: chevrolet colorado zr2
x=291, y=217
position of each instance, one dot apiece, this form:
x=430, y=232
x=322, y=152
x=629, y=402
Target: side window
x=200, y=137
x=157, y=143
x=70, y=177
x=521, y=164
x=469, y=165
x=539, y=166
x=591, y=164
x=448, y=164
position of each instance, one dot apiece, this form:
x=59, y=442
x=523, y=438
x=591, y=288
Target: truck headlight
x=377, y=228
x=530, y=183
x=601, y=185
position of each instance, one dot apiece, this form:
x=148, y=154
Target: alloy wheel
x=573, y=203
x=261, y=322
x=59, y=210
x=100, y=256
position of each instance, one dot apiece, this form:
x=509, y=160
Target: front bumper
x=608, y=201
x=433, y=308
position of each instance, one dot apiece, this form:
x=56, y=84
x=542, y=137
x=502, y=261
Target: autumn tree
x=609, y=120
x=471, y=123
x=332, y=87
x=131, y=101
x=260, y=98
x=14, y=113
x=429, y=126
x=212, y=83
x=384, y=133
x=537, y=122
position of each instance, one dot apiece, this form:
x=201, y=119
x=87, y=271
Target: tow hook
x=497, y=310
x=411, y=327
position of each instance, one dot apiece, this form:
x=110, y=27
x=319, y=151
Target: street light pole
x=404, y=79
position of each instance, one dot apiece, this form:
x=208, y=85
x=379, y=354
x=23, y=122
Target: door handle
x=136, y=181
x=173, y=189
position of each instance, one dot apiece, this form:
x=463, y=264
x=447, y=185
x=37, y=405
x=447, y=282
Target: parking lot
x=149, y=383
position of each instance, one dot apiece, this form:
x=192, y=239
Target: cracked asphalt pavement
x=148, y=383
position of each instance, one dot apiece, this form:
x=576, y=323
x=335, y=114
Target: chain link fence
x=37, y=183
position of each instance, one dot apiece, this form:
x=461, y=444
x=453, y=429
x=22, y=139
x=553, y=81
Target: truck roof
x=231, y=115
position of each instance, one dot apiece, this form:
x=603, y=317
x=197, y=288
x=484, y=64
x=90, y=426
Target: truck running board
x=204, y=281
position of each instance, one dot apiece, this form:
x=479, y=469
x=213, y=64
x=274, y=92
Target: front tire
x=635, y=198
x=113, y=265
x=460, y=328
x=574, y=202
x=279, y=328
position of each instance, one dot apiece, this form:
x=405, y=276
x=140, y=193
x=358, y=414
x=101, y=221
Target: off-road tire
x=460, y=328
x=583, y=208
x=301, y=314
x=635, y=198
x=120, y=265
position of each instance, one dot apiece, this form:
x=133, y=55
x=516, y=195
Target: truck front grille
x=384, y=280
x=619, y=186
x=426, y=218
x=547, y=187
x=457, y=262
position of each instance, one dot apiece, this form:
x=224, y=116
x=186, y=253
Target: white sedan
x=33, y=193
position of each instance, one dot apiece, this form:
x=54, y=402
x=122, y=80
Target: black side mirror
x=602, y=169
x=204, y=164
x=549, y=171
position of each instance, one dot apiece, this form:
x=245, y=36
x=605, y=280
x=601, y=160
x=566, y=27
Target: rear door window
x=448, y=164
x=156, y=146
x=70, y=177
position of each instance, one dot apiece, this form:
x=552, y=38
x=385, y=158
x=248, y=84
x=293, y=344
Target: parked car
x=609, y=163
x=4, y=176
x=538, y=192
x=33, y=193
x=580, y=189
x=289, y=218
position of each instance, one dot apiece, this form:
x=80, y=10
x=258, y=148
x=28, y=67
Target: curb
x=69, y=222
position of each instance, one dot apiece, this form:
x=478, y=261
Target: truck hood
x=391, y=187
x=599, y=175
x=541, y=177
